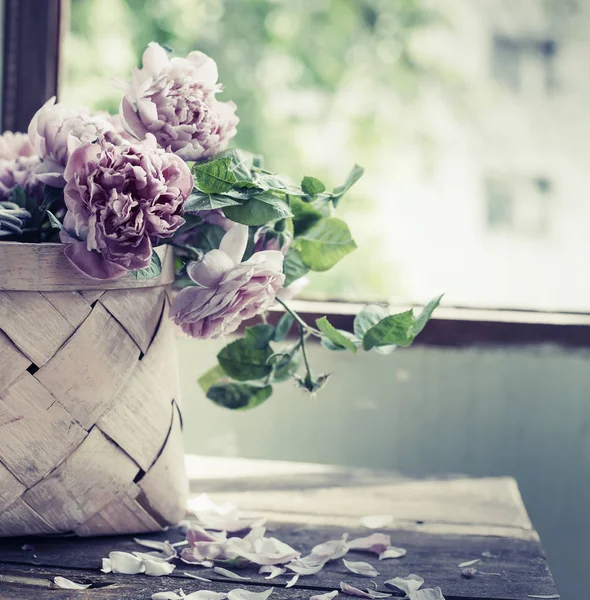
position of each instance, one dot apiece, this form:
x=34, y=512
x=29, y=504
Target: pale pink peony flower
x=174, y=98
x=231, y=291
x=56, y=130
x=18, y=162
x=120, y=199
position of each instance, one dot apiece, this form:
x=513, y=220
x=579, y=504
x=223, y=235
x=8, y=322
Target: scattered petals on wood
x=272, y=571
x=220, y=517
x=292, y=581
x=361, y=568
x=469, y=572
x=376, y=521
x=66, y=584
x=333, y=549
x=193, y=576
x=309, y=565
x=351, y=590
x=549, y=597
x=240, y=594
x=157, y=568
x=376, y=542
x=392, y=552
x=165, y=549
x=229, y=574
x=469, y=563
x=427, y=594
x=204, y=595
x=408, y=584
x=166, y=596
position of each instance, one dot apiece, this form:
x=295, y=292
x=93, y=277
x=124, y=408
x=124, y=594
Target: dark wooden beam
x=31, y=57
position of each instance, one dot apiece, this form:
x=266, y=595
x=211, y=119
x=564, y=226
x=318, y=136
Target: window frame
x=30, y=76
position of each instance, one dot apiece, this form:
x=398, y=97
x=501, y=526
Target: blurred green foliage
x=319, y=85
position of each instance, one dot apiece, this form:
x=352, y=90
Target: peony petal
x=205, y=595
x=240, y=594
x=193, y=576
x=332, y=550
x=326, y=596
x=376, y=542
x=361, y=568
x=125, y=563
x=92, y=264
x=427, y=594
x=376, y=521
x=195, y=533
x=230, y=574
x=157, y=568
x=154, y=59
x=166, y=596
x=469, y=563
x=131, y=122
x=234, y=243
x=211, y=270
x=66, y=584
x=354, y=591
x=106, y=565
x=392, y=552
x=305, y=569
x=406, y=584
x=292, y=581
x=206, y=66
x=164, y=548
x=469, y=573
x=272, y=570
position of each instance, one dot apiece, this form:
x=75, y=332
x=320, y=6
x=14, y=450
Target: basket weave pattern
x=90, y=435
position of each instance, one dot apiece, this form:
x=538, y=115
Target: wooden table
x=441, y=523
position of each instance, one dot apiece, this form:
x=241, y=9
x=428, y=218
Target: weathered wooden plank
x=138, y=311
x=104, y=355
x=20, y=516
x=12, y=362
x=36, y=431
x=91, y=296
x=71, y=305
x=90, y=478
x=10, y=487
x=45, y=268
x=33, y=324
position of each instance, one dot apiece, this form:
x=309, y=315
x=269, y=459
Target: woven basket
x=90, y=429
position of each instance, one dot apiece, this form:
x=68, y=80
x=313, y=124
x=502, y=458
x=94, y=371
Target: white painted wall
x=425, y=411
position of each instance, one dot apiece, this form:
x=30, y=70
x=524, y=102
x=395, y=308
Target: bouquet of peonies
x=113, y=187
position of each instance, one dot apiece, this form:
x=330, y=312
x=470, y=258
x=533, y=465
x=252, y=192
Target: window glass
x=470, y=119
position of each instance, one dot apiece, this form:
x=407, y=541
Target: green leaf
x=325, y=244
x=54, y=221
x=215, y=176
x=305, y=215
x=392, y=330
x=202, y=201
x=239, y=396
x=208, y=237
x=283, y=327
x=370, y=315
x=241, y=163
x=259, y=336
x=334, y=335
x=353, y=177
x=425, y=315
x=211, y=377
x=242, y=362
x=293, y=266
x=285, y=365
x=312, y=186
x=149, y=272
x=259, y=210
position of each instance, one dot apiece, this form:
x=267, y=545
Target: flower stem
x=308, y=377
x=299, y=320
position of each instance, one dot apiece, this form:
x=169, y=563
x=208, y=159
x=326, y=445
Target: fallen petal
x=272, y=571
x=408, y=584
x=106, y=565
x=157, y=568
x=427, y=594
x=469, y=573
x=196, y=533
x=354, y=591
x=550, y=597
x=332, y=550
x=360, y=568
x=66, y=584
x=153, y=556
x=303, y=569
x=187, y=574
x=376, y=542
x=376, y=521
x=393, y=552
x=230, y=574
x=205, y=595
x=239, y=594
x=125, y=563
x=327, y=596
x=292, y=581
x=166, y=596
x=469, y=563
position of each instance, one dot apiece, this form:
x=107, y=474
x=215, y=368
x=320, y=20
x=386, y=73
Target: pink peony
x=230, y=290
x=56, y=130
x=175, y=100
x=120, y=199
x=18, y=162
x=268, y=238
